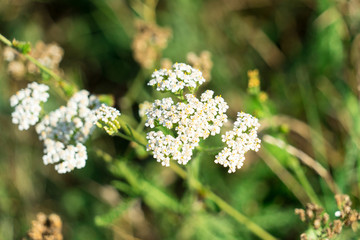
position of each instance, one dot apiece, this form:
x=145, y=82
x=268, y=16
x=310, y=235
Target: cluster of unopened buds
x=180, y=126
x=107, y=118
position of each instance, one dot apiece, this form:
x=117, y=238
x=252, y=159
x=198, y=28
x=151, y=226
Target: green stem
x=124, y=136
x=129, y=138
x=294, y=164
x=135, y=135
x=5, y=40
x=45, y=69
x=216, y=149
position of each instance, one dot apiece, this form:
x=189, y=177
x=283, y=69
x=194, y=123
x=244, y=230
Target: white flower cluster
x=241, y=139
x=176, y=79
x=194, y=120
x=72, y=156
x=27, y=104
x=66, y=129
x=106, y=114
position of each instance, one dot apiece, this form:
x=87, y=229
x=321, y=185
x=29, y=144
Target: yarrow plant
x=192, y=120
x=178, y=126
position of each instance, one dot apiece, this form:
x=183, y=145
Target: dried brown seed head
x=309, y=213
x=46, y=227
x=148, y=43
x=337, y=226
x=301, y=214
x=317, y=223
x=325, y=218
x=303, y=236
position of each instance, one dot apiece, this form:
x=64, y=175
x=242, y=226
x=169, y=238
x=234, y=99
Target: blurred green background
x=308, y=56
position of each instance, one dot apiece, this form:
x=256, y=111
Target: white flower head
x=192, y=120
x=66, y=129
x=27, y=103
x=241, y=139
x=176, y=79
x=66, y=157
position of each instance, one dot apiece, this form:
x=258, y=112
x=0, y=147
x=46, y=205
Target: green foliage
x=114, y=214
x=106, y=99
x=200, y=225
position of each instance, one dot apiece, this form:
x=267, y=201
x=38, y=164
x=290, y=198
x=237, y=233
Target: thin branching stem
x=5, y=40
x=59, y=80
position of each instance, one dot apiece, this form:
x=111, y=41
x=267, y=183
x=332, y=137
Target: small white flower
x=241, y=139
x=27, y=103
x=337, y=214
x=176, y=79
